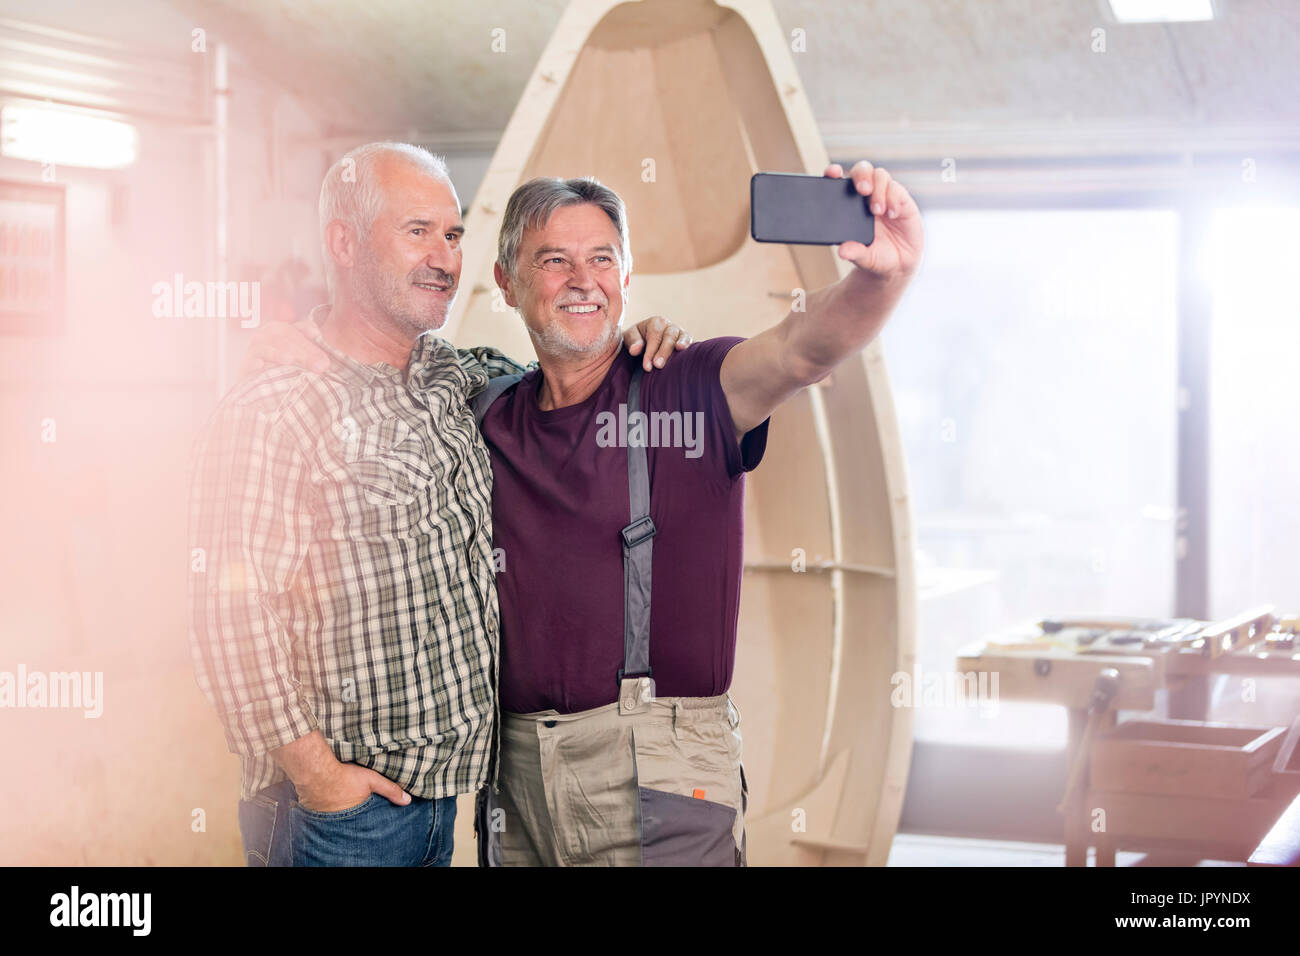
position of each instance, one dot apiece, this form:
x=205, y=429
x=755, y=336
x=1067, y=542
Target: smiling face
x=569, y=282
x=408, y=266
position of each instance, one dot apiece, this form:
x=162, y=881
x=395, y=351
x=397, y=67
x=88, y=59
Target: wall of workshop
x=96, y=426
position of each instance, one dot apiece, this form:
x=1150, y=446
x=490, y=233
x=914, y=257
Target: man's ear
x=341, y=244
x=506, y=286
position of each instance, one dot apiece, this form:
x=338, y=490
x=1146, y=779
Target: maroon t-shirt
x=559, y=501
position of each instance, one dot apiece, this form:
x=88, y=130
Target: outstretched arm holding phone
x=762, y=372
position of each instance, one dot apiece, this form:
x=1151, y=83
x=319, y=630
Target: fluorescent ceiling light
x=64, y=137
x=1161, y=11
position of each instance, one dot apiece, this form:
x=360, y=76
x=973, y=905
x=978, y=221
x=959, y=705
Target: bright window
x=1252, y=266
x=1033, y=366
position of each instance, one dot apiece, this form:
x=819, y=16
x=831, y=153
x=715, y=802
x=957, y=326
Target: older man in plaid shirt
x=345, y=626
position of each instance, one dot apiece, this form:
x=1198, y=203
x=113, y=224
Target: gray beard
x=557, y=341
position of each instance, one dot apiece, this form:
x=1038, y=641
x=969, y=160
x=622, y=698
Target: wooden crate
x=1223, y=828
x=1185, y=757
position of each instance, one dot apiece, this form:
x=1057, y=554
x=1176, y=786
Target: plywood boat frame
x=708, y=93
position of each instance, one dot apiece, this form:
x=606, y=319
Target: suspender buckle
x=634, y=693
x=642, y=529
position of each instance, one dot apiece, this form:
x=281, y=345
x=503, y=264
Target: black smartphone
x=808, y=210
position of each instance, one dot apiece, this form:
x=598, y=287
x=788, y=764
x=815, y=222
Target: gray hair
x=351, y=194
x=533, y=204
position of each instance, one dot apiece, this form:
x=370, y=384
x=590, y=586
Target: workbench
x=1246, y=645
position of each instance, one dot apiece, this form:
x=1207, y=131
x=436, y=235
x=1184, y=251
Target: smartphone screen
x=808, y=210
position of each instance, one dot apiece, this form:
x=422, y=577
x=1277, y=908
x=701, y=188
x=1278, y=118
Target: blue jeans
x=278, y=831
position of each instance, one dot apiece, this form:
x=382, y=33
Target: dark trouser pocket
x=685, y=831
x=489, y=840
x=742, y=855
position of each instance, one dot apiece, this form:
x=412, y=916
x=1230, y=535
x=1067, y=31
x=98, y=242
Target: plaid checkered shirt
x=345, y=580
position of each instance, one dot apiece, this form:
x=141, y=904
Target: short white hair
x=351, y=194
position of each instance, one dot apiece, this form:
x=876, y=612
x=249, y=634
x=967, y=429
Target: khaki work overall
x=644, y=781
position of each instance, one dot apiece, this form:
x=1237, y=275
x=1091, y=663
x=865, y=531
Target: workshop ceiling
x=390, y=65
x=368, y=68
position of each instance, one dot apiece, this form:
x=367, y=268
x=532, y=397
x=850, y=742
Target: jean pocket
x=363, y=835
x=685, y=831
x=257, y=822
x=343, y=814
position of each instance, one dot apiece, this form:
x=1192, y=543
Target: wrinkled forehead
x=578, y=227
x=406, y=188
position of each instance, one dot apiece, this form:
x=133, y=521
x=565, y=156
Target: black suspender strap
x=481, y=402
x=635, y=679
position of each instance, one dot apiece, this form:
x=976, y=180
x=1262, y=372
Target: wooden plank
x=1192, y=663
x=1074, y=807
x=1068, y=679
x=822, y=567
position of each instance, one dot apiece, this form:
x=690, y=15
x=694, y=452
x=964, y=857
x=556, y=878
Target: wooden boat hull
x=675, y=104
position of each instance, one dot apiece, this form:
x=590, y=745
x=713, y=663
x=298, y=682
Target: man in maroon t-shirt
x=618, y=509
